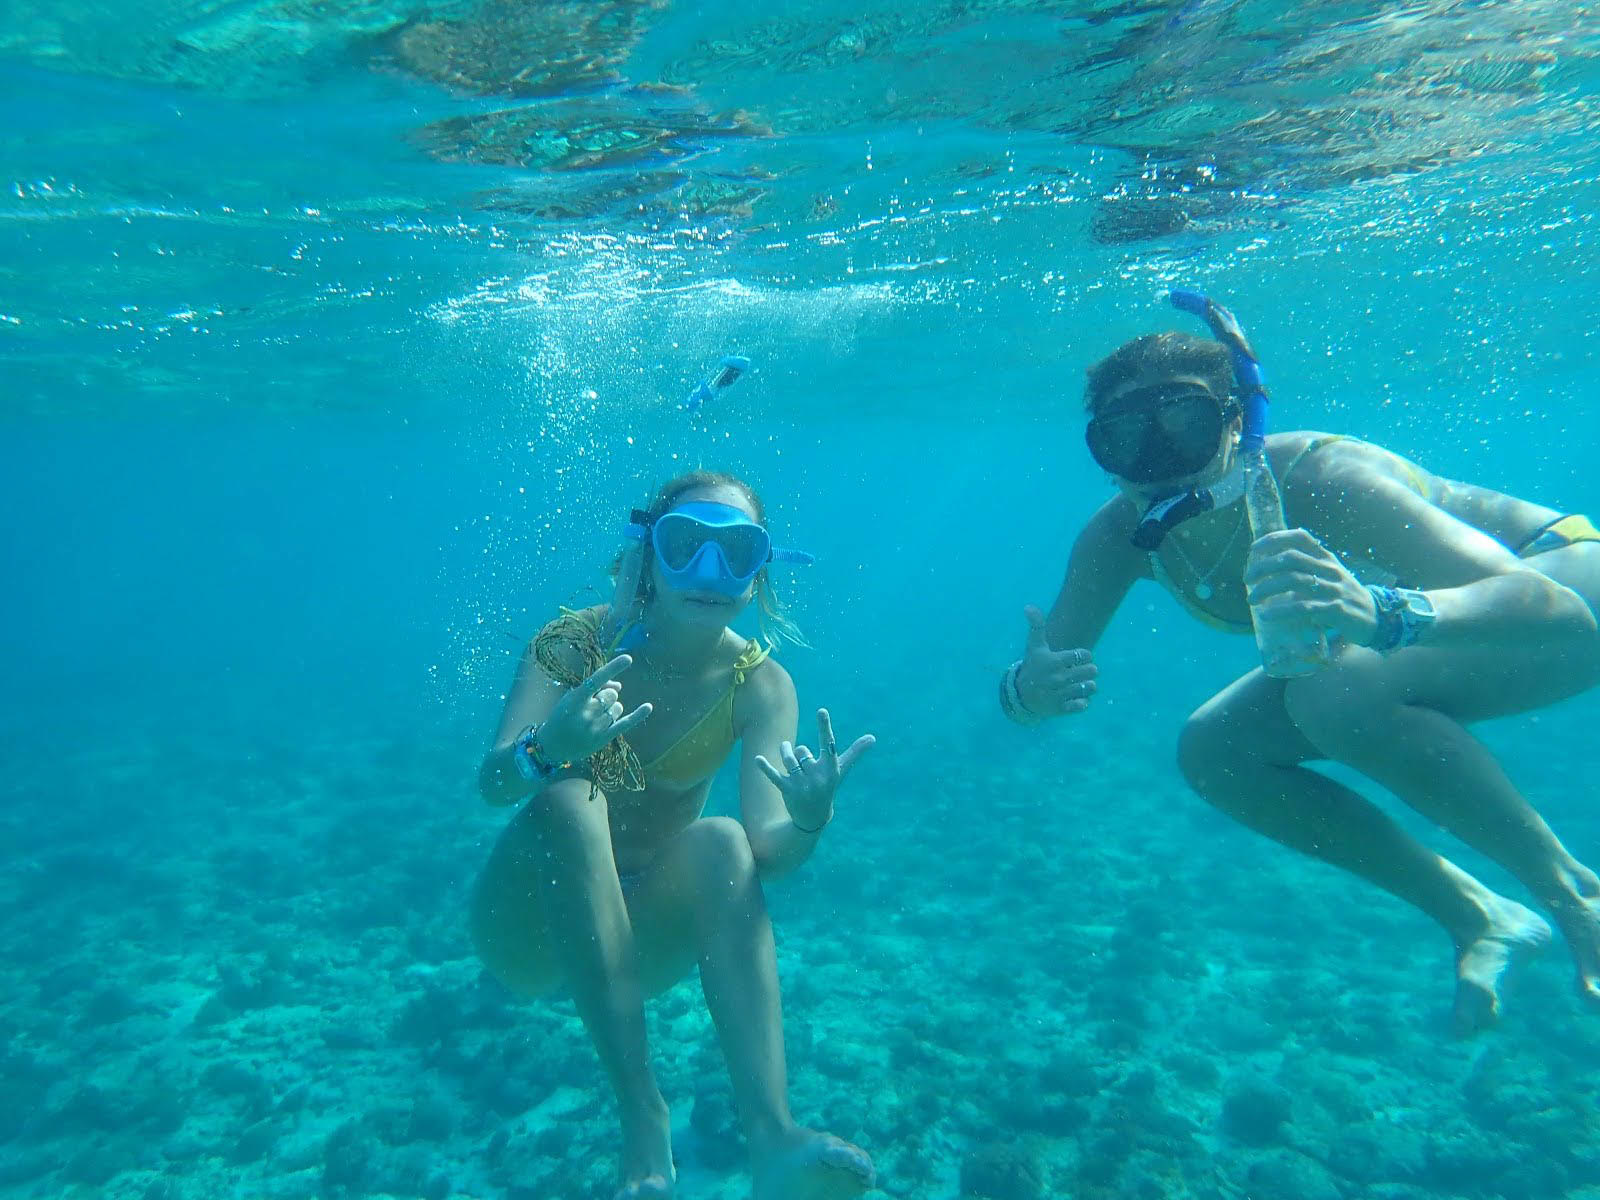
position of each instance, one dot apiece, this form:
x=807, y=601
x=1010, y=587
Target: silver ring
x=1079, y=657
x=830, y=748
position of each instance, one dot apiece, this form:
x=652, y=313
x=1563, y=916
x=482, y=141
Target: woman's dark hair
x=1158, y=354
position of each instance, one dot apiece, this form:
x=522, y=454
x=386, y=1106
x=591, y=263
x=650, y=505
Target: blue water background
x=267, y=562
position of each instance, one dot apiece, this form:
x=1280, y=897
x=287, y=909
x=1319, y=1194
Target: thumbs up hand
x=1050, y=682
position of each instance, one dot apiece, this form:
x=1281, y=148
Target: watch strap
x=1403, y=614
x=529, y=755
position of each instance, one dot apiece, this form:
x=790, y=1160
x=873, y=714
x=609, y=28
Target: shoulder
x=1307, y=459
x=562, y=635
x=1328, y=469
x=593, y=617
x=1343, y=486
x=1108, y=530
x=766, y=677
x=767, y=688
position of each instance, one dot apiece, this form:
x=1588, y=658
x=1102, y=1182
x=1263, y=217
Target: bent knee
x=1342, y=705
x=1207, y=743
x=509, y=936
x=720, y=848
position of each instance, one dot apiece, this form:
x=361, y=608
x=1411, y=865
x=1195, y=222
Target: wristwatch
x=528, y=754
x=1404, y=616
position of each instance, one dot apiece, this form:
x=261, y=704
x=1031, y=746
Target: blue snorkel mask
x=1169, y=512
x=706, y=547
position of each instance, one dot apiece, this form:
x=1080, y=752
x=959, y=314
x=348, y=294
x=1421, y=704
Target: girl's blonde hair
x=775, y=624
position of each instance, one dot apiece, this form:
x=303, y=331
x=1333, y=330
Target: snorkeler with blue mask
x=1442, y=604
x=611, y=880
x=711, y=547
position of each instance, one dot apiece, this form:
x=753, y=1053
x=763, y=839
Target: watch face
x=1419, y=604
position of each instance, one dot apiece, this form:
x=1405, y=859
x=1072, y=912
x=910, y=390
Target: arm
x=1103, y=566
x=574, y=721
x=1482, y=593
x=784, y=812
x=770, y=719
x=532, y=697
x=1056, y=673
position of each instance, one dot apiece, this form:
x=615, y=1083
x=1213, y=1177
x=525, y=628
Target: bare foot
x=1510, y=934
x=1578, y=914
x=807, y=1165
x=647, y=1156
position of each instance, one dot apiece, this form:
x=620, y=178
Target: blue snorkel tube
x=1285, y=653
x=1247, y=371
x=727, y=373
x=1166, y=514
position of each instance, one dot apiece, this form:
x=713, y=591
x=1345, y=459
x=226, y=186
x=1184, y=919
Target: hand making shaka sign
x=808, y=782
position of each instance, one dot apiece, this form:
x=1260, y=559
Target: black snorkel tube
x=1166, y=514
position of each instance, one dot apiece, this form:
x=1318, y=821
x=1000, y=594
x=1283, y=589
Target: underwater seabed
x=265, y=990
x=233, y=956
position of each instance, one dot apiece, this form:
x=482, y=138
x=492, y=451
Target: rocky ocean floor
x=248, y=975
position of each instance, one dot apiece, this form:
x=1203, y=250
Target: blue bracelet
x=528, y=754
x=1404, y=614
x=1391, y=629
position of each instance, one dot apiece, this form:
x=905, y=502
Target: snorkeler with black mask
x=1438, y=604
x=1160, y=438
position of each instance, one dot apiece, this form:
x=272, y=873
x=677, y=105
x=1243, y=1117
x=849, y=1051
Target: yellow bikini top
x=701, y=750
x=696, y=755
x=1365, y=571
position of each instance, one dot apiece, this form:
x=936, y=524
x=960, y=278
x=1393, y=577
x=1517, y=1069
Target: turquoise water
x=338, y=341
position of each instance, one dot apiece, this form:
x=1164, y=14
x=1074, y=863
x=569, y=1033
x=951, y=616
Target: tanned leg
x=709, y=874
x=1241, y=753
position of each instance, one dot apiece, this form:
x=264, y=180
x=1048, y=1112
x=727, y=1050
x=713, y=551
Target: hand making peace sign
x=589, y=715
x=808, y=784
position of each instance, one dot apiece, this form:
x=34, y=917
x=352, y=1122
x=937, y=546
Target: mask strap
x=638, y=526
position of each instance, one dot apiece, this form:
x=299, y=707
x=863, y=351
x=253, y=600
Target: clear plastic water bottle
x=1286, y=652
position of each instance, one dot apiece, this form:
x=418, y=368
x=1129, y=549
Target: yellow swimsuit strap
x=752, y=656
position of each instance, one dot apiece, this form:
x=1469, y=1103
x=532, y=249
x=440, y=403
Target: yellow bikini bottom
x=1562, y=532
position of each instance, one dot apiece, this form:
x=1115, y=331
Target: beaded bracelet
x=1011, y=698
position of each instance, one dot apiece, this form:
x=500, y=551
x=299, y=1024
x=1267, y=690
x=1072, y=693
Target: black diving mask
x=1162, y=432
